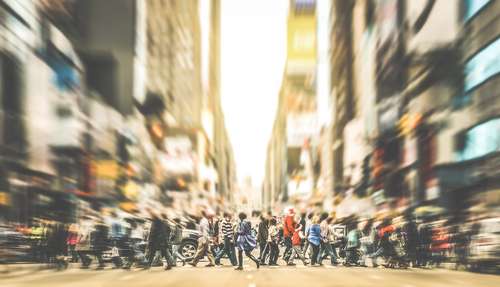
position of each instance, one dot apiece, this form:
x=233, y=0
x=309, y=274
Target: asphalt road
x=225, y=276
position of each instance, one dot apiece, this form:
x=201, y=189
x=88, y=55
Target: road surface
x=284, y=276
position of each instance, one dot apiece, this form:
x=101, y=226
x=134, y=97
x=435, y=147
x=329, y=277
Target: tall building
x=183, y=62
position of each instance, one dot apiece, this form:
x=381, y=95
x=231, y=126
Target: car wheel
x=188, y=249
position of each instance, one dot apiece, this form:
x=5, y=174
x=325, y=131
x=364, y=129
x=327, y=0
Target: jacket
x=296, y=240
x=288, y=226
x=273, y=234
x=262, y=233
x=314, y=234
x=246, y=241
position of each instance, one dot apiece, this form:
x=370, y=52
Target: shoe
x=183, y=263
x=306, y=263
x=168, y=267
x=209, y=265
x=239, y=268
x=258, y=264
x=291, y=264
x=192, y=264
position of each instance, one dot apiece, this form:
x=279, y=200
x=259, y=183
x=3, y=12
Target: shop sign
x=410, y=151
x=4, y=198
x=107, y=169
x=378, y=197
x=388, y=113
x=432, y=191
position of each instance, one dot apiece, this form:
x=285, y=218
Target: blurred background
x=370, y=108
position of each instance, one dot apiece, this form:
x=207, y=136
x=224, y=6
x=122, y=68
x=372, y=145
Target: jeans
x=297, y=250
x=330, y=251
x=165, y=253
x=86, y=260
x=228, y=249
x=73, y=253
x=265, y=252
x=274, y=252
x=288, y=248
x=315, y=253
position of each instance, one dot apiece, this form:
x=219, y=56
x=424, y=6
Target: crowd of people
x=311, y=238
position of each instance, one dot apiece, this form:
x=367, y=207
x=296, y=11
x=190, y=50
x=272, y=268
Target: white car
x=485, y=246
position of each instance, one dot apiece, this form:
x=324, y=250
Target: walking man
x=288, y=230
x=262, y=235
x=227, y=230
x=206, y=230
x=326, y=239
x=158, y=239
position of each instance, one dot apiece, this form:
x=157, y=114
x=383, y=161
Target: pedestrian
x=353, y=244
x=206, y=227
x=83, y=245
x=366, y=241
x=262, y=235
x=327, y=240
x=246, y=242
x=227, y=230
x=314, y=239
x=297, y=247
x=159, y=234
x=133, y=236
x=176, y=241
x=288, y=230
x=71, y=241
x=306, y=232
x=56, y=245
x=272, y=242
x=411, y=244
x=424, y=243
x=100, y=241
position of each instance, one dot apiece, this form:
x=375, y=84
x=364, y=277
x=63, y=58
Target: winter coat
x=246, y=241
x=100, y=237
x=159, y=233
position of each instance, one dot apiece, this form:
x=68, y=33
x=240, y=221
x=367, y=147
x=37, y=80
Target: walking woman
x=314, y=239
x=246, y=241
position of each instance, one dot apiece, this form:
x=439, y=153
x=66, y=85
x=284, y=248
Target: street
x=225, y=276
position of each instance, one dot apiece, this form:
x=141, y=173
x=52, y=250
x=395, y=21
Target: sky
x=253, y=53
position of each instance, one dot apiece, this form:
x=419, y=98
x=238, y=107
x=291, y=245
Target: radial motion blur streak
x=250, y=142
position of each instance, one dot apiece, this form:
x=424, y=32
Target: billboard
x=301, y=44
x=301, y=128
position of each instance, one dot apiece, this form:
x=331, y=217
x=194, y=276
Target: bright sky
x=253, y=53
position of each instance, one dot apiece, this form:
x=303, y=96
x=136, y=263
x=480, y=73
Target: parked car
x=485, y=245
x=14, y=246
x=189, y=243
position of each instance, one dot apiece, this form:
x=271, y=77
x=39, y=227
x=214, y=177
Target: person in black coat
x=159, y=236
x=100, y=241
x=262, y=234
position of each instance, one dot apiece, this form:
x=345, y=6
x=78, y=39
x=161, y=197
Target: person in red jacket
x=297, y=246
x=288, y=230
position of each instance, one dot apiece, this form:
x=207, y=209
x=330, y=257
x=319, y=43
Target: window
x=472, y=7
x=480, y=140
x=482, y=66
